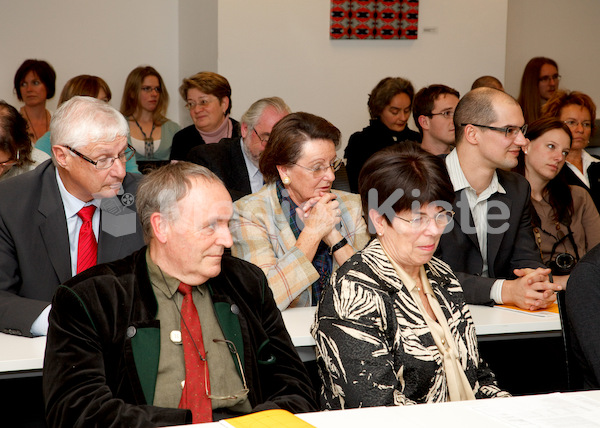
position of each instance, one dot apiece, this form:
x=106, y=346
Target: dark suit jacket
x=189, y=137
x=513, y=248
x=594, y=177
x=34, y=243
x=103, y=323
x=226, y=160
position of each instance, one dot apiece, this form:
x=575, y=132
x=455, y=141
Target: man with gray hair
x=66, y=215
x=177, y=332
x=235, y=161
x=490, y=246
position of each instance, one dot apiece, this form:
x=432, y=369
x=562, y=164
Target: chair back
x=574, y=375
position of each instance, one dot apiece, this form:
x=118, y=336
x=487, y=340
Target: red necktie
x=194, y=395
x=87, y=247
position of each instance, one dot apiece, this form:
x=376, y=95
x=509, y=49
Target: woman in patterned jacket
x=296, y=229
x=393, y=328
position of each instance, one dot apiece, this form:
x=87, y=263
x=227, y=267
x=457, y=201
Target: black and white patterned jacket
x=373, y=345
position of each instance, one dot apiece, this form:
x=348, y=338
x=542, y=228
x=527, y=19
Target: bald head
x=479, y=106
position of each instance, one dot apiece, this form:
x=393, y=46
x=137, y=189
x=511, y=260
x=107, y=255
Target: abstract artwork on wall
x=374, y=19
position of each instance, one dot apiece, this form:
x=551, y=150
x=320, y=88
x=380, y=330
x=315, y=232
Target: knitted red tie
x=87, y=247
x=197, y=382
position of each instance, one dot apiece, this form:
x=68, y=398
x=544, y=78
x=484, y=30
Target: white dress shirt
x=478, y=205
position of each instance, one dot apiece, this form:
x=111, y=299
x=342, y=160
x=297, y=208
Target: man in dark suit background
x=235, y=161
x=39, y=221
x=490, y=245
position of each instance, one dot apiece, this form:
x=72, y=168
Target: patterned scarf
x=322, y=261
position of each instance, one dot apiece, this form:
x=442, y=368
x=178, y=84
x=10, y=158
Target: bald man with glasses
x=490, y=245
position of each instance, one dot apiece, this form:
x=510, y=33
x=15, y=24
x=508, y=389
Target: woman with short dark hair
x=393, y=327
x=296, y=228
x=207, y=96
x=578, y=111
x=34, y=83
x=390, y=106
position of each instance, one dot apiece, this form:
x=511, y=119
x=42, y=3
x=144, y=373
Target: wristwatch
x=337, y=246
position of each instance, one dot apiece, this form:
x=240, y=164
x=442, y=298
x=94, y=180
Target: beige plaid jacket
x=262, y=235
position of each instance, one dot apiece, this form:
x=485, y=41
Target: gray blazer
x=34, y=243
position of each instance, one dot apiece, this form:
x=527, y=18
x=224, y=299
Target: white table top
x=488, y=321
x=575, y=409
x=27, y=354
x=19, y=353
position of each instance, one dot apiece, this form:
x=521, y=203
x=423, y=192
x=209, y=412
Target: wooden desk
x=491, y=323
x=21, y=356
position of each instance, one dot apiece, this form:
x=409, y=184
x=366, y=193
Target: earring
x=379, y=233
x=286, y=180
x=524, y=151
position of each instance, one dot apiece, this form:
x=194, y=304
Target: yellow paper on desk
x=267, y=419
x=552, y=308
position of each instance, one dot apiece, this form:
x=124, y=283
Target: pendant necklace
x=148, y=141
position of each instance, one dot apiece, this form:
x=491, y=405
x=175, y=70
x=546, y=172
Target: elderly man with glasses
x=66, y=215
x=490, y=246
x=177, y=332
x=235, y=160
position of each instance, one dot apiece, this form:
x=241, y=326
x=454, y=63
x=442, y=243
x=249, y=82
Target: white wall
x=564, y=31
x=107, y=38
x=282, y=47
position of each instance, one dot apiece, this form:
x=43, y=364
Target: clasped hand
x=532, y=289
x=320, y=215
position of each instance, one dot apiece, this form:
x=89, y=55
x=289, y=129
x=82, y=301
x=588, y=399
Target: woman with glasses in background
x=145, y=102
x=393, y=327
x=207, y=96
x=539, y=83
x=17, y=155
x=578, y=112
x=296, y=228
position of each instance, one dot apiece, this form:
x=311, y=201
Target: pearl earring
x=286, y=180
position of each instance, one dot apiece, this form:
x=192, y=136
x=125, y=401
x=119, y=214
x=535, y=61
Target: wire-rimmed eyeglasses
x=105, y=163
x=442, y=219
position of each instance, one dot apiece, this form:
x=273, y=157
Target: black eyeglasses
x=447, y=114
x=509, y=131
x=105, y=163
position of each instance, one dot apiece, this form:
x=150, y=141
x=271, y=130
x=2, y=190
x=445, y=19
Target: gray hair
x=253, y=114
x=160, y=190
x=84, y=120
